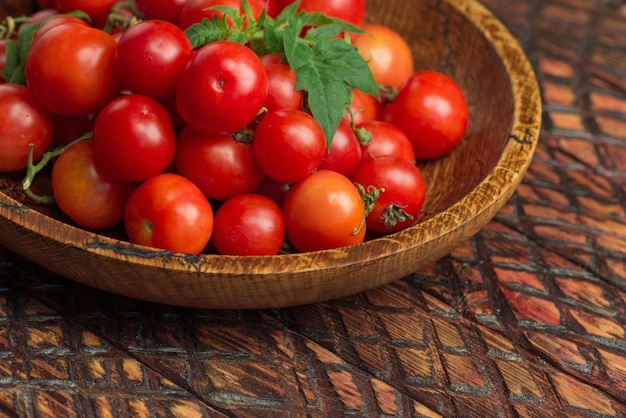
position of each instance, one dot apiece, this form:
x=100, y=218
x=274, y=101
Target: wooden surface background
x=527, y=319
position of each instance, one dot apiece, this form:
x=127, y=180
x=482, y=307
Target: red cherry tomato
x=289, y=145
x=70, y=69
x=324, y=211
x=221, y=166
x=222, y=89
x=70, y=128
x=363, y=107
x=167, y=10
x=85, y=192
x=57, y=20
x=134, y=138
x=168, y=211
x=345, y=152
x=403, y=192
x=274, y=189
x=352, y=11
x=270, y=6
x=23, y=121
x=432, y=111
x=94, y=8
x=388, y=54
x=248, y=224
x=386, y=139
x=150, y=56
x=281, y=93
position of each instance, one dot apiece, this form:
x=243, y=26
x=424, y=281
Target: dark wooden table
x=526, y=319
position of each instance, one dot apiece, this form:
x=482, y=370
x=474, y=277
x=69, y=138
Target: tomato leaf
x=12, y=61
x=327, y=68
x=330, y=99
x=215, y=29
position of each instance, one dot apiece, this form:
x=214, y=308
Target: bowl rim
x=510, y=168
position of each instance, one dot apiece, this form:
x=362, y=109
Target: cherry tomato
x=56, y=21
x=270, y=6
x=70, y=128
x=153, y=47
x=134, y=138
x=385, y=139
x=43, y=13
x=70, y=69
x=345, y=152
x=431, y=110
x=220, y=165
x=248, y=224
x=168, y=211
x=324, y=211
x=85, y=192
x=193, y=11
x=222, y=88
x=388, y=54
x=363, y=107
x=402, y=192
x=281, y=92
x=169, y=102
x=289, y=145
x=167, y=10
x=94, y=8
x=352, y=11
x=23, y=121
x=274, y=189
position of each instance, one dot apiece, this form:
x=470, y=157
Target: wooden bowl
x=465, y=189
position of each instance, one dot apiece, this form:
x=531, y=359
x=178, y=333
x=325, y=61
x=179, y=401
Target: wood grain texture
x=465, y=189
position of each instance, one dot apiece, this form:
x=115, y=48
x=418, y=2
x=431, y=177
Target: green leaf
x=344, y=58
x=273, y=38
x=207, y=31
x=297, y=52
x=327, y=71
x=327, y=96
x=12, y=61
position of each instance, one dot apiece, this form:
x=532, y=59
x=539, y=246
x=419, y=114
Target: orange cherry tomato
x=387, y=52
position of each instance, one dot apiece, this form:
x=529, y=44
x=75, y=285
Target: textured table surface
x=528, y=318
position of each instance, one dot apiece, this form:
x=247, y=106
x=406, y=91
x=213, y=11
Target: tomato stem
x=369, y=197
x=362, y=134
x=394, y=214
x=9, y=26
x=32, y=169
x=388, y=93
x=118, y=19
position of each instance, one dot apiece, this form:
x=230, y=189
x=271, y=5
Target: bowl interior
x=444, y=39
x=464, y=189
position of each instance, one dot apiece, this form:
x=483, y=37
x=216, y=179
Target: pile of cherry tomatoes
x=213, y=148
